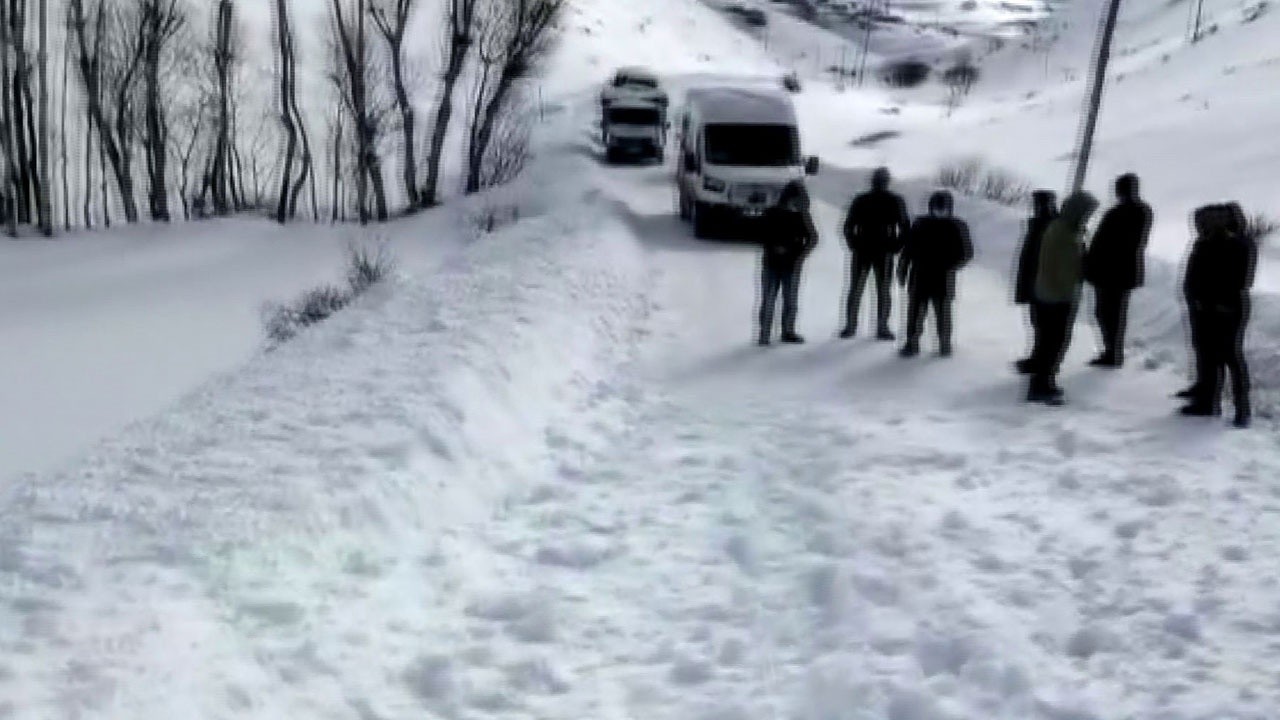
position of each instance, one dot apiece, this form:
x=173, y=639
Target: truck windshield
x=752, y=145
x=637, y=81
x=633, y=116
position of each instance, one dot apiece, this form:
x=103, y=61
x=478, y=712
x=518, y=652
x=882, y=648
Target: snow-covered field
x=543, y=474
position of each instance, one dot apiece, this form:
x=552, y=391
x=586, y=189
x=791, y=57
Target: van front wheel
x=704, y=225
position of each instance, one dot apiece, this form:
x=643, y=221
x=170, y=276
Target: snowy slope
x=551, y=479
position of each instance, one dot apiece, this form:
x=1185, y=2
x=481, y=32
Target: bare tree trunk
x=88, y=171
x=106, y=200
x=8, y=116
x=112, y=138
x=222, y=151
x=45, y=192
x=461, y=27
x=393, y=31
x=62, y=140
x=285, y=46
x=368, y=169
x=308, y=169
x=337, y=166
x=161, y=20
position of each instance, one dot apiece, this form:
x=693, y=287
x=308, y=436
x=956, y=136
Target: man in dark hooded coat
x=874, y=230
x=937, y=246
x=1114, y=266
x=1044, y=208
x=1219, y=276
x=789, y=237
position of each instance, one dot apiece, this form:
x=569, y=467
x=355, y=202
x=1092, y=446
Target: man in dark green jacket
x=1059, y=275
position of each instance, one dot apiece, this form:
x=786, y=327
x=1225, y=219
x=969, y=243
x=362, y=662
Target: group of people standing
x=1054, y=263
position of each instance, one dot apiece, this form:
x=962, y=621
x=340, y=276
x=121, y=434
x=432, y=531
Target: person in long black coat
x=1114, y=265
x=789, y=236
x=1219, y=276
x=937, y=246
x=1044, y=208
x=874, y=230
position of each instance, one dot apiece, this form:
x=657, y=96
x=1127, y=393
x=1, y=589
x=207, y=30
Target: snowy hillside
x=543, y=474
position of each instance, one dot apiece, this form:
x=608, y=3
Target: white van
x=738, y=148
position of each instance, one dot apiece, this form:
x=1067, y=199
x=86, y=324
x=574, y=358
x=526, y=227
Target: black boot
x=911, y=349
x=885, y=334
x=849, y=331
x=791, y=338
x=1187, y=393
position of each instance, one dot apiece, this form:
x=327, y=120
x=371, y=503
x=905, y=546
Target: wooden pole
x=1101, y=56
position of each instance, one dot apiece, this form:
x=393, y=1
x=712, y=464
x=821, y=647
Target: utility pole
x=866, y=42
x=1101, y=55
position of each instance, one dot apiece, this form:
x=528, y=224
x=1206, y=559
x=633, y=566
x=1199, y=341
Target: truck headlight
x=711, y=184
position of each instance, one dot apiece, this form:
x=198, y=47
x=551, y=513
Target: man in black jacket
x=1219, y=276
x=1044, y=208
x=789, y=237
x=937, y=245
x=874, y=230
x=1113, y=265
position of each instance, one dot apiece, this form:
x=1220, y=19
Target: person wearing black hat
x=874, y=230
x=1044, y=208
x=937, y=246
x=1219, y=276
x=789, y=237
x=1114, y=265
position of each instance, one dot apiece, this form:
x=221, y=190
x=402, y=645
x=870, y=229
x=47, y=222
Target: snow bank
x=267, y=526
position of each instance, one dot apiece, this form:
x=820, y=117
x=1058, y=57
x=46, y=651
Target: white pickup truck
x=633, y=115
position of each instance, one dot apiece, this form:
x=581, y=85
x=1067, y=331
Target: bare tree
x=291, y=120
x=219, y=177
x=392, y=19
x=63, y=138
x=160, y=22
x=518, y=37
x=349, y=29
x=24, y=122
x=109, y=57
x=43, y=191
x=458, y=42
x=509, y=151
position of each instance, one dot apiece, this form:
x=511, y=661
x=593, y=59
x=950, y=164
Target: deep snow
x=549, y=478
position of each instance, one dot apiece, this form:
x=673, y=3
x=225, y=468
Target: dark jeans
x=921, y=298
x=862, y=264
x=1054, y=336
x=1033, y=314
x=1219, y=350
x=779, y=276
x=1111, y=308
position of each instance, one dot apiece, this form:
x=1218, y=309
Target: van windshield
x=752, y=145
x=633, y=116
